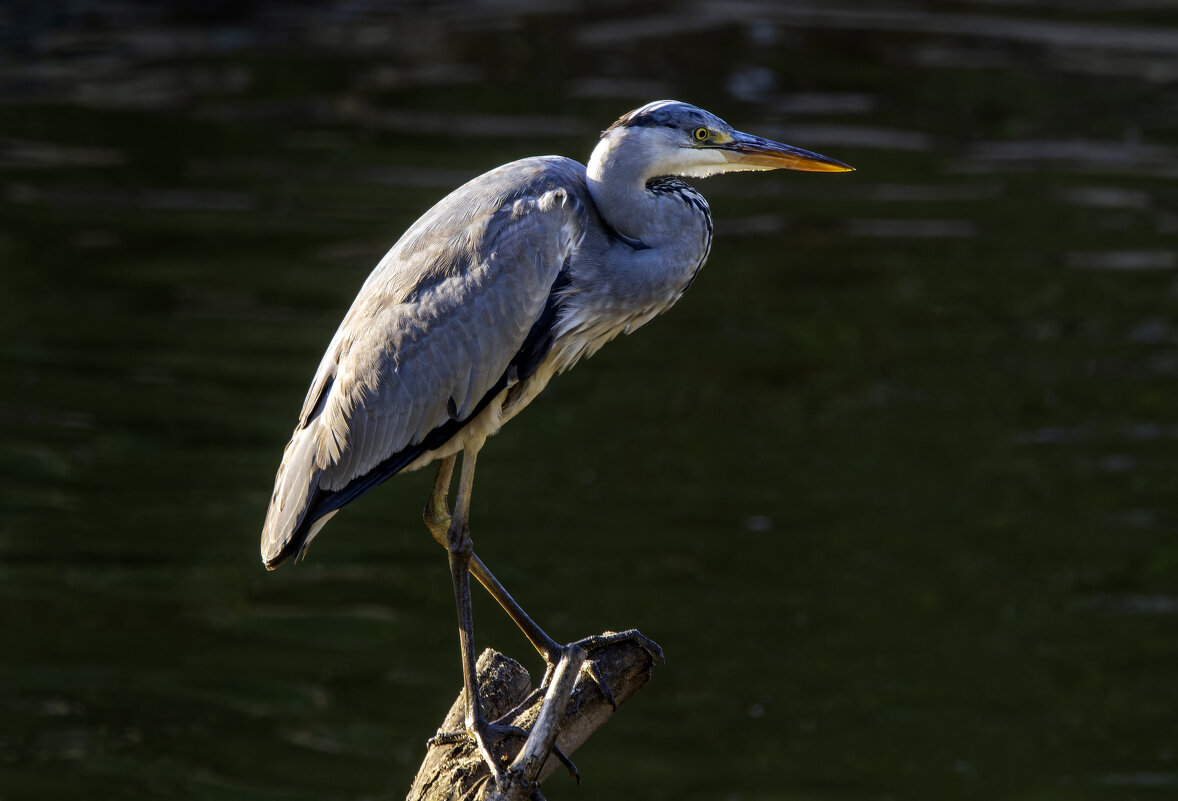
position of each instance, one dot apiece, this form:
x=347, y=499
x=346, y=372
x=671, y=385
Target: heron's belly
x=504, y=406
x=569, y=348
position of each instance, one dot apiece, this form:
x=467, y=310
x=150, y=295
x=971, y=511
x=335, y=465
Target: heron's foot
x=598, y=641
x=629, y=635
x=487, y=741
x=486, y=737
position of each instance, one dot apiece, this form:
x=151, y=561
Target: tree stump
x=574, y=707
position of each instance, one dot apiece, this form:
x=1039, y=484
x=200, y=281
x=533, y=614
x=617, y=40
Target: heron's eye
x=700, y=134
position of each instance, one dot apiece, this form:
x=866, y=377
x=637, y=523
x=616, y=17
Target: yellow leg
x=438, y=521
x=436, y=514
x=460, y=550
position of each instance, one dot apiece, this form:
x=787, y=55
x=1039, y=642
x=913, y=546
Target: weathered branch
x=622, y=662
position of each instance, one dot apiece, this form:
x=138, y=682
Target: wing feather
x=433, y=329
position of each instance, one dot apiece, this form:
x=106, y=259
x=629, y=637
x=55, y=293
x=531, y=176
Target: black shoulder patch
x=539, y=339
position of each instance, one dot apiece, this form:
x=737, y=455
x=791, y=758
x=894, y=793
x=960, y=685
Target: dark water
x=894, y=486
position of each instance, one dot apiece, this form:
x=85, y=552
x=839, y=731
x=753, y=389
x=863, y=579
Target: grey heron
x=507, y=281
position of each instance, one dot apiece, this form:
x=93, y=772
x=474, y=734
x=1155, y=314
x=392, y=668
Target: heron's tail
x=287, y=529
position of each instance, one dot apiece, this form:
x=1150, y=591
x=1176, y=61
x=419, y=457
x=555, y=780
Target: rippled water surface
x=894, y=486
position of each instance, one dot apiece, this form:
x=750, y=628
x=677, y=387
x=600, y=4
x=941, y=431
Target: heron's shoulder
x=532, y=177
x=540, y=171
x=538, y=193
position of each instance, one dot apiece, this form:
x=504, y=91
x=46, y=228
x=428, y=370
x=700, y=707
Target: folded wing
x=432, y=332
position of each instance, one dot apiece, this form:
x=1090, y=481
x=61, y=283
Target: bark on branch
x=456, y=771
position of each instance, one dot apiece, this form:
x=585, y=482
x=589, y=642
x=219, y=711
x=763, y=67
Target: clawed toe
x=486, y=742
x=602, y=684
x=635, y=636
x=485, y=739
x=598, y=641
x=446, y=738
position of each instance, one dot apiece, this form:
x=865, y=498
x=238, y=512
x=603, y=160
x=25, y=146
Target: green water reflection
x=893, y=486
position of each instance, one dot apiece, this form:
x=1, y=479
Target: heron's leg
x=438, y=521
x=436, y=514
x=460, y=550
x=548, y=648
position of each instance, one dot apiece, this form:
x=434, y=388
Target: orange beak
x=766, y=154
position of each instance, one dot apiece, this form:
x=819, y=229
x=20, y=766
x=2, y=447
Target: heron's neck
x=617, y=180
x=668, y=217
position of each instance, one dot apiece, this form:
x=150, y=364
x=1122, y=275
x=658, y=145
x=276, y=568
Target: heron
x=506, y=282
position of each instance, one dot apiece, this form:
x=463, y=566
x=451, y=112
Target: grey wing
x=432, y=331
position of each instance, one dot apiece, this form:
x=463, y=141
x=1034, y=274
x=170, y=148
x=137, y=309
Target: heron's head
x=672, y=138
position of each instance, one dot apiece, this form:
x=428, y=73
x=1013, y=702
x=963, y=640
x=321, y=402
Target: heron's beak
x=753, y=152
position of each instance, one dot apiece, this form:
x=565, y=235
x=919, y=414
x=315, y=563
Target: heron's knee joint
x=458, y=541
x=435, y=516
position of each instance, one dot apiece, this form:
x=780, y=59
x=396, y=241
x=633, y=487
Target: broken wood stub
x=456, y=770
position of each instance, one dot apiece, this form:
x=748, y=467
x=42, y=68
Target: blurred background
x=894, y=485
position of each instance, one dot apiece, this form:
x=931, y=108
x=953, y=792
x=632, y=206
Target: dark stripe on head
x=666, y=113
